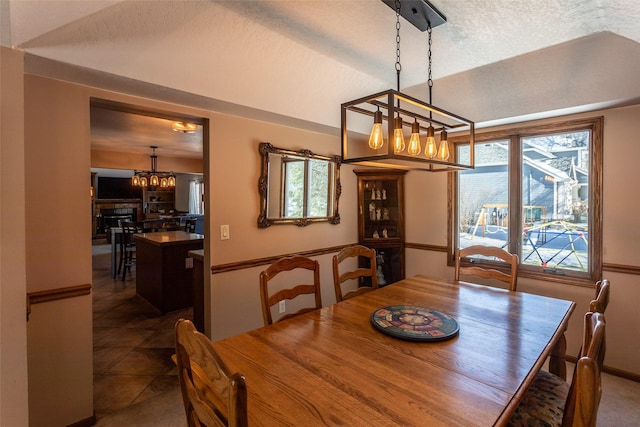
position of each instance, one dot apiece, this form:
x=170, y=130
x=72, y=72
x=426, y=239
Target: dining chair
x=212, y=395
x=599, y=305
x=127, y=247
x=601, y=302
x=289, y=264
x=489, y=252
x=354, y=253
x=550, y=401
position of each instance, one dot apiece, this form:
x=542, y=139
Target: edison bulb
x=414, y=142
x=443, y=151
x=376, y=139
x=398, y=136
x=431, y=149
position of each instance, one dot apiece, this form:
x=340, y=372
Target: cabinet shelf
x=380, y=211
x=158, y=201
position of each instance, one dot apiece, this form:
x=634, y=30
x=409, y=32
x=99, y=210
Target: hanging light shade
x=153, y=178
x=390, y=109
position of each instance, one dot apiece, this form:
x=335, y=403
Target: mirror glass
x=297, y=187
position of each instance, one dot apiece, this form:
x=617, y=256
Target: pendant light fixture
x=393, y=110
x=184, y=127
x=153, y=178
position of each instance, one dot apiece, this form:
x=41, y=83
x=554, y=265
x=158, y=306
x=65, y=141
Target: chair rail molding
x=48, y=295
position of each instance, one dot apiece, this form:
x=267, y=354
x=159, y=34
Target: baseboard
x=612, y=371
x=87, y=422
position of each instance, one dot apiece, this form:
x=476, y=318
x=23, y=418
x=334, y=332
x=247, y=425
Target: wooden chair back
x=581, y=409
x=489, y=273
x=212, y=396
x=289, y=264
x=360, y=272
x=599, y=305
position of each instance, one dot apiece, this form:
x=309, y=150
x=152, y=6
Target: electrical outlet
x=282, y=307
x=188, y=262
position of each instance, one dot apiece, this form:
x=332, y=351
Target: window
x=196, y=197
x=535, y=191
x=306, y=188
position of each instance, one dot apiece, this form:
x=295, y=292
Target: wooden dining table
x=332, y=367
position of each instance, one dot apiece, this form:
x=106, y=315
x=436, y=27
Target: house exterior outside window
x=536, y=192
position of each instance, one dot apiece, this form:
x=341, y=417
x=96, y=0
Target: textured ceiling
x=493, y=61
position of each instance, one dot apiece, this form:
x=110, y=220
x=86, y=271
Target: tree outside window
x=306, y=188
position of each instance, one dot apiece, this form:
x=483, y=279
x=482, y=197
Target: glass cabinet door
x=381, y=216
x=381, y=220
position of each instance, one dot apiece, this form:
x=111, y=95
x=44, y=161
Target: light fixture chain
x=429, y=79
x=398, y=65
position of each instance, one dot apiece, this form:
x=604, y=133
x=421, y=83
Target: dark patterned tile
x=125, y=337
x=114, y=392
x=100, y=333
x=162, y=339
x=106, y=357
x=145, y=361
x=160, y=384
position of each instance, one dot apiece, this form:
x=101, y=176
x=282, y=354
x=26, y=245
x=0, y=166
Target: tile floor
x=132, y=341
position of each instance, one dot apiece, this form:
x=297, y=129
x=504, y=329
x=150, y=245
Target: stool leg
x=121, y=259
x=126, y=265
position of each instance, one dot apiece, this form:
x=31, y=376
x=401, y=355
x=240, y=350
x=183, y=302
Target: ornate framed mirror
x=297, y=187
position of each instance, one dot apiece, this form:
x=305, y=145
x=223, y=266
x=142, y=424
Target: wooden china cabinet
x=381, y=219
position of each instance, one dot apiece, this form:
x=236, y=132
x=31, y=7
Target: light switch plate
x=224, y=232
x=282, y=307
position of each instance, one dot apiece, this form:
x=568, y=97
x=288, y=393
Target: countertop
x=166, y=238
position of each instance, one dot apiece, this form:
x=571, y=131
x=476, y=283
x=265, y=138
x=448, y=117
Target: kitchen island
x=164, y=270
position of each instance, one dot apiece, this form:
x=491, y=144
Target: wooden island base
x=164, y=270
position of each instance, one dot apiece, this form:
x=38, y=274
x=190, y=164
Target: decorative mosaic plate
x=412, y=322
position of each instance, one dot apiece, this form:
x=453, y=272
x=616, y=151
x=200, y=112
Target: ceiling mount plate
x=419, y=12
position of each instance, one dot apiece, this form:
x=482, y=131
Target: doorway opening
x=133, y=341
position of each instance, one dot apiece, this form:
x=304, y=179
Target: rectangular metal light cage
x=357, y=121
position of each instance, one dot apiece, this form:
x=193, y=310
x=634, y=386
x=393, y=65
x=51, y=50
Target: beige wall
x=235, y=169
x=58, y=244
x=13, y=326
x=427, y=222
x=58, y=216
